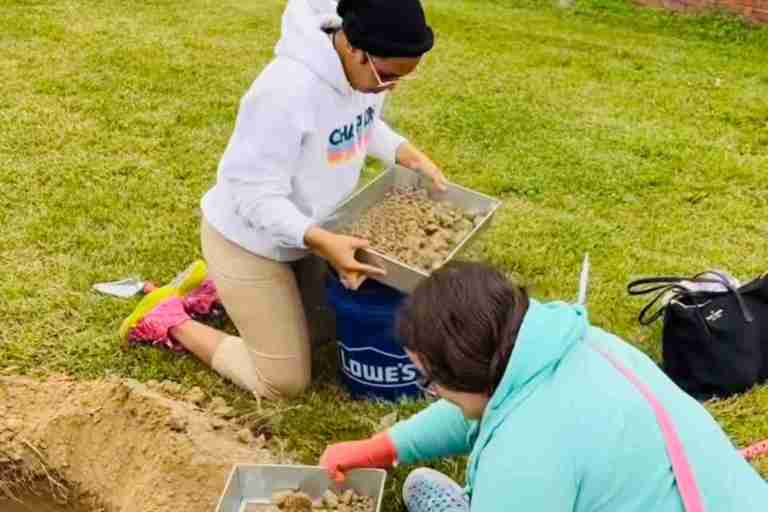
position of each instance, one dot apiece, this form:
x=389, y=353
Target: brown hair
x=463, y=322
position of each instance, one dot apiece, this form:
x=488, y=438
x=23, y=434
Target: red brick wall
x=755, y=10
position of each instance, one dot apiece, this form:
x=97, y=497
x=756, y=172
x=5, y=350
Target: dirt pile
x=117, y=446
x=413, y=229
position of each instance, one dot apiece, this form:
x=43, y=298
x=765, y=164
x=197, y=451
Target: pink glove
x=376, y=452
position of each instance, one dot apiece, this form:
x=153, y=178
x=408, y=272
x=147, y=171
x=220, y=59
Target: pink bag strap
x=686, y=482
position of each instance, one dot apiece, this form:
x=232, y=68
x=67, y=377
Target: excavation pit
x=115, y=445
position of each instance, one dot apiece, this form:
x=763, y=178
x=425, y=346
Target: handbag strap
x=725, y=282
x=662, y=286
x=648, y=285
x=665, y=284
x=645, y=317
x=686, y=482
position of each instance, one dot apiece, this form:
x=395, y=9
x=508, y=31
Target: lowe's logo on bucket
x=376, y=368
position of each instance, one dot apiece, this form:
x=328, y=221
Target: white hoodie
x=300, y=140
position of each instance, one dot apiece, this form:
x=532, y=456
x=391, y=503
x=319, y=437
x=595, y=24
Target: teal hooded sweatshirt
x=566, y=431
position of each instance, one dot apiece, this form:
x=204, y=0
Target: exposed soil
x=38, y=503
x=115, y=446
x=413, y=229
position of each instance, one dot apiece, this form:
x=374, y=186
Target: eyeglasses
x=390, y=81
x=427, y=385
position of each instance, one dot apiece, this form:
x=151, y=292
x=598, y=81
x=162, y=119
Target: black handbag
x=714, y=342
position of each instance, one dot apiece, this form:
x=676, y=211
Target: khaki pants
x=271, y=358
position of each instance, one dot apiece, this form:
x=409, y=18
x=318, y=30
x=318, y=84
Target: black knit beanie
x=387, y=28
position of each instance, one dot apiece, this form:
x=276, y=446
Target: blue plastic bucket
x=371, y=362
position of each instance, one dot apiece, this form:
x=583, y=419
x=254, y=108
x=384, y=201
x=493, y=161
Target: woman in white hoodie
x=302, y=134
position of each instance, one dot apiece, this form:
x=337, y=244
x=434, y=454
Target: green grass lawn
x=638, y=136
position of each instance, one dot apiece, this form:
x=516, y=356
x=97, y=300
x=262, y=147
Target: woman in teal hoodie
x=556, y=415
